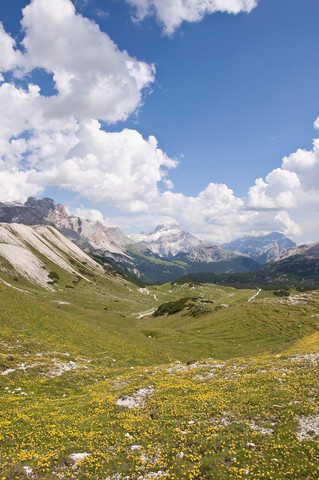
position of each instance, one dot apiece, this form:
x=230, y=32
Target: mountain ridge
x=83, y=232
x=164, y=254
x=27, y=251
x=263, y=248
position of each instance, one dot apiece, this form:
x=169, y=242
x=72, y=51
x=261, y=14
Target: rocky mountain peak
x=44, y=211
x=40, y=203
x=263, y=248
x=167, y=240
x=166, y=228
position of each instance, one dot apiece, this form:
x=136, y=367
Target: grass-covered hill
x=104, y=379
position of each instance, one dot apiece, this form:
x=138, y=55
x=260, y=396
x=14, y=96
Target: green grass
x=227, y=383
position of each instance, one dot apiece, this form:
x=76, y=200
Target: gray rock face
x=92, y=235
x=209, y=252
x=263, y=249
x=32, y=212
x=310, y=250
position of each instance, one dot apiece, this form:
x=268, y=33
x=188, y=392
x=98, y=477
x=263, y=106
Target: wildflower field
x=97, y=382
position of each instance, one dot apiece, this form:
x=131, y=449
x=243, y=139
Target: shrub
x=169, y=308
x=54, y=276
x=282, y=293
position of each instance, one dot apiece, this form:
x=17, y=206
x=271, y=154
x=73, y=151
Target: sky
x=144, y=112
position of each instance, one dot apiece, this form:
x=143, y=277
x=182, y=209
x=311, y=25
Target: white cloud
x=16, y=185
x=10, y=57
x=87, y=213
x=171, y=13
x=305, y=164
x=291, y=226
x=292, y=192
x=216, y=211
x=57, y=140
x=121, y=169
x=93, y=78
x=278, y=191
x=20, y=109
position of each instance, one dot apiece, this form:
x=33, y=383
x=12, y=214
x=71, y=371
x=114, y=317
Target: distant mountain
x=175, y=252
x=263, y=249
x=301, y=261
x=298, y=267
x=163, y=255
x=310, y=250
x=167, y=240
x=172, y=241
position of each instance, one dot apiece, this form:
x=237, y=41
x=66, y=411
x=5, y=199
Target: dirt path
x=150, y=312
x=254, y=296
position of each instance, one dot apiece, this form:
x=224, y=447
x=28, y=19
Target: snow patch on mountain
x=171, y=240
x=167, y=240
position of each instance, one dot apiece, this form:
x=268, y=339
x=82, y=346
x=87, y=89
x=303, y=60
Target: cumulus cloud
x=16, y=185
x=87, y=213
x=292, y=192
x=92, y=76
x=215, y=211
x=10, y=57
x=291, y=227
x=121, y=169
x=171, y=13
x=295, y=184
x=20, y=109
x=305, y=163
x=278, y=191
x=57, y=139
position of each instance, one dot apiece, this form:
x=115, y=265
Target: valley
x=102, y=378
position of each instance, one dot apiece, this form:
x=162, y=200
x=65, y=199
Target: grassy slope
x=73, y=353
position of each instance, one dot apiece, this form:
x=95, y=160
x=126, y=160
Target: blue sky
x=227, y=92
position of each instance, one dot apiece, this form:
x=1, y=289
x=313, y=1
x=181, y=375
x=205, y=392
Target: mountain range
x=263, y=249
x=168, y=252
x=85, y=233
